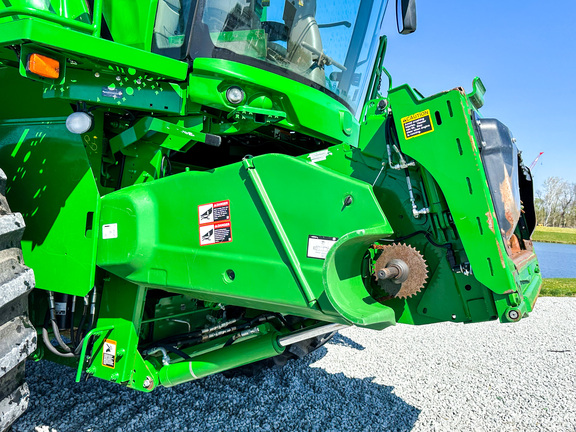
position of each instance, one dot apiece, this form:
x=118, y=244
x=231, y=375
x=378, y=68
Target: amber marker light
x=44, y=66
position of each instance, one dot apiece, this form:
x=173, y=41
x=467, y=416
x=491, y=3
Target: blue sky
x=524, y=52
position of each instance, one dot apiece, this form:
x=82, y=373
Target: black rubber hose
x=92, y=319
x=81, y=325
x=72, y=310
x=175, y=351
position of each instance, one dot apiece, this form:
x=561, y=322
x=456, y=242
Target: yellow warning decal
x=417, y=124
x=109, y=353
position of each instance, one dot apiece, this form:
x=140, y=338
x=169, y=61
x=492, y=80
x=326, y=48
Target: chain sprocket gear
x=417, y=273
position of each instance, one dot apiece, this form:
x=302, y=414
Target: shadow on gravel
x=339, y=339
x=297, y=397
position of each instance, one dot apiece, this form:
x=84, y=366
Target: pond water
x=556, y=260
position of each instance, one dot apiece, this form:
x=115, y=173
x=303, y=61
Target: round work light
x=235, y=95
x=79, y=122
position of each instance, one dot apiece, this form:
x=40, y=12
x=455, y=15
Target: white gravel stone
x=441, y=377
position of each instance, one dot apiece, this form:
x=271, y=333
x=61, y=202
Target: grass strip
x=554, y=235
x=559, y=287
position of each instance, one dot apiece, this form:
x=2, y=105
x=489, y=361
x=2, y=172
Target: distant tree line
x=556, y=203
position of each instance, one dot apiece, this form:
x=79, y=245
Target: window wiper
x=322, y=59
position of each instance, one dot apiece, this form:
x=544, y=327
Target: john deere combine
x=210, y=184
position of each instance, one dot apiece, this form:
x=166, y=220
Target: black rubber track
x=17, y=335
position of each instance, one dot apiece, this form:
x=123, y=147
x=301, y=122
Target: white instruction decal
x=318, y=246
x=109, y=231
x=319, y=155
x=214, y=222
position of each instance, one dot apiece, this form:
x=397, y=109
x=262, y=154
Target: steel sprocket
x=417, y=275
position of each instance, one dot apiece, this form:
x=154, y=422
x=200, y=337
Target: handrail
x=97, y=333
x=94, y=28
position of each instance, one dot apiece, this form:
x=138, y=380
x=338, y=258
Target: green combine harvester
x=213, y=184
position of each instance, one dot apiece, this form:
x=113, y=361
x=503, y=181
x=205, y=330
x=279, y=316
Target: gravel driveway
x=443, y=377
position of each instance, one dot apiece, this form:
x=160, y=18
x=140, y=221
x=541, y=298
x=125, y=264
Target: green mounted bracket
x=97, y=333
x=344, y=282
x=476, y=96
x=256, y=115
x=165, y=134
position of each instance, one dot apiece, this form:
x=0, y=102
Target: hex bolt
x=388, y=272
x=148, y=383
x=513, y=314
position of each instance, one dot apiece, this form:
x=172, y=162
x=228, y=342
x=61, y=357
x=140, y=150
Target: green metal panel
x=70, y=12
x=119, y=319
x=82, y=46
x=450, y=153
x=131, y=21
x=308, y=110
x=158, y=239
x=52, y=185
x=126, y=88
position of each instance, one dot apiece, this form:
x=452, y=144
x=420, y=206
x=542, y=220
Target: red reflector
x=44, y=66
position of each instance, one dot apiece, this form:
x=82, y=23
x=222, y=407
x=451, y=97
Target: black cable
x=79, y=335
x=72, y=310
x=121, y=171
x=170, y=342
x=283, y=321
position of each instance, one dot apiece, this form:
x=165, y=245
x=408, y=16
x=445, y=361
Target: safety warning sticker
x=318, y=246
x=214, y=212
x=417, y=124
x=215, y=233
x=109, y=353
x=214, y=221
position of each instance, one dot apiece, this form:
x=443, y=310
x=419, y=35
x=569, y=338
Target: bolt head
x=148, y=383
x=514, y=315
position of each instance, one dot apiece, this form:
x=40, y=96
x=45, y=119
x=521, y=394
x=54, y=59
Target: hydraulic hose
x=72, y=310
x=55, y=328
x=51, y=348
x=79, y=335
